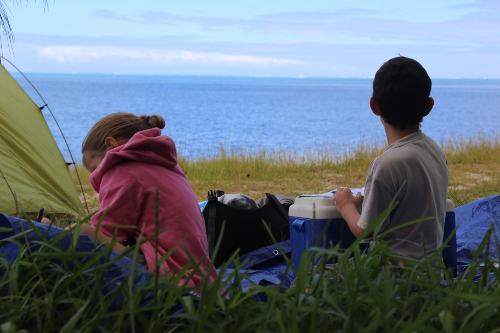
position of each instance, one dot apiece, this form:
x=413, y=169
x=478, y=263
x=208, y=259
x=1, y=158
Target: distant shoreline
x=295, y=77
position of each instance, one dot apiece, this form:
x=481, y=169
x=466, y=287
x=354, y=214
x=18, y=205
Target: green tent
x=32, y=170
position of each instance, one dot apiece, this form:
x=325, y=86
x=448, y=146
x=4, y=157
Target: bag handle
x=212, y=215
x=282, y=210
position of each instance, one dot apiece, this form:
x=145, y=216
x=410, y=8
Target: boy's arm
x=346, y=204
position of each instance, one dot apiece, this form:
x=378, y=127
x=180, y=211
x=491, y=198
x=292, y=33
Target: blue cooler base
x=450, y=251
x=328, y=233
x=306, y=233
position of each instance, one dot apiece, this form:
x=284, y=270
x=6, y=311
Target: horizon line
x=257, y=76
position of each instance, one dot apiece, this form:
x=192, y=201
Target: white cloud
x=353, y=26
x=56, y=54
x=86, y=54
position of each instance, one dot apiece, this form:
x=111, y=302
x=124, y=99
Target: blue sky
x=452, y=39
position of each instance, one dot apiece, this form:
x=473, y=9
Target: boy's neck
x=394, y=133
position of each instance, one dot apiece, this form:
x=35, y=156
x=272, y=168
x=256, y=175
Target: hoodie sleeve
x=120, y=200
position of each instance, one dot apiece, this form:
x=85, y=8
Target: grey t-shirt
x=416, y=165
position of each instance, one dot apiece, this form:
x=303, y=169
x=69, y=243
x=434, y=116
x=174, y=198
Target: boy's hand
x=344, y=198
x=346, y=204
x=45, y=221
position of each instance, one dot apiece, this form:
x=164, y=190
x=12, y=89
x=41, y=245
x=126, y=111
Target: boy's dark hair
x=401, y=88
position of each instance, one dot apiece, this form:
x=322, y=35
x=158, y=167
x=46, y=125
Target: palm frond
x=5, y=23
x=5, y=26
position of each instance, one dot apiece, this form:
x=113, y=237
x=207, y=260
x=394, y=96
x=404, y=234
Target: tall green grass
x=473, y=163
x=47, y=289
x=475, y=149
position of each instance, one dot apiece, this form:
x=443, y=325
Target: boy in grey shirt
x=413, y=163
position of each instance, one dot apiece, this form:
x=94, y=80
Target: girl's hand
x=101, y=238
x=46, y=221
x=70, y=227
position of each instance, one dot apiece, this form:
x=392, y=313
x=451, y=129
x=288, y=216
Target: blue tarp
x=473, y=221
x=266, y=266
x=119, y=271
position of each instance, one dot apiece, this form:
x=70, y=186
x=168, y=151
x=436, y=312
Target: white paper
x=322, y=195
x=354, y=192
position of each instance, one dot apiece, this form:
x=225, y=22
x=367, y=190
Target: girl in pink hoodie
x=134, y=169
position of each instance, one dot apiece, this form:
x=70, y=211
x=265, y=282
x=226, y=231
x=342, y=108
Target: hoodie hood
x=147, y=146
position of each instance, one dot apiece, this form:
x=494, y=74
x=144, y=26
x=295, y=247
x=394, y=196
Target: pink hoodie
x=127, y=180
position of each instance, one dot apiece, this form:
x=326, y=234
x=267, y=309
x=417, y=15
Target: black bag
x=244, y=229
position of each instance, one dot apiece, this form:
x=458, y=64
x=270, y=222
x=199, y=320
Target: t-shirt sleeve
x=376, y=200
x=120, y=200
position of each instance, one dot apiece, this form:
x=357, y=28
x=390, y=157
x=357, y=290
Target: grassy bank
x=474, y=166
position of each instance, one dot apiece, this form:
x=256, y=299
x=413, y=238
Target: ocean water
x=247, y=113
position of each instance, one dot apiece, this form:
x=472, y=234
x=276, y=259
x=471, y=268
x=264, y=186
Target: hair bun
x=157, y=121
x=154, y=121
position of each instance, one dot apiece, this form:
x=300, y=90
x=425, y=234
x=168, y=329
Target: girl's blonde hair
x=121, y=126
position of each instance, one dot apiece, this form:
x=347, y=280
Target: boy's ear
x=429, y=106
x=374, y=106
x=111, y=143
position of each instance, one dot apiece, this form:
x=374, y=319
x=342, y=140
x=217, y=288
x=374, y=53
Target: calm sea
x=247, y=113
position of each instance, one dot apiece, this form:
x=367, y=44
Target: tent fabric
x=31, y=165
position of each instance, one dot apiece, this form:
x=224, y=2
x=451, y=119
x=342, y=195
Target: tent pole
x=13, y=194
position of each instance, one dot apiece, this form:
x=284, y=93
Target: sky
x=293, y=38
